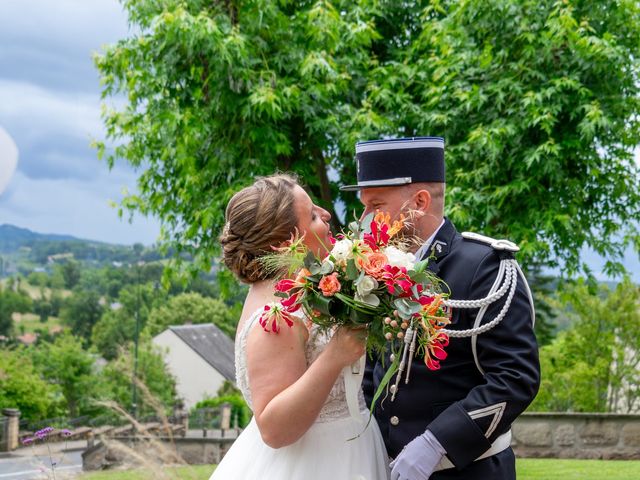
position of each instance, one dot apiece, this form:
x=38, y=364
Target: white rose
x=366, y=285
x=398, y=258
x=342, y=250
x=369, y=299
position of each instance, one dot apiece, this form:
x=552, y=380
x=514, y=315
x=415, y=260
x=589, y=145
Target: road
x=22, y=467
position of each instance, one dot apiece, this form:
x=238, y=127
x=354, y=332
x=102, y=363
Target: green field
x=31, y=322
x=528, y=469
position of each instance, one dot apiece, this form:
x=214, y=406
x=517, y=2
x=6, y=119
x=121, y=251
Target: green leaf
x=319, y=302
x=352, y=271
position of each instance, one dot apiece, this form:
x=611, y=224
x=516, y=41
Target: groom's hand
x=418, y=459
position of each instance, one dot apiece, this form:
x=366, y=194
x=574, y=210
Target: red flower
x=378, y=237
x=273, y=315
x=434, y=351
x=291, y=303
x=397, y=281
x=425, y=300
x=285, y=285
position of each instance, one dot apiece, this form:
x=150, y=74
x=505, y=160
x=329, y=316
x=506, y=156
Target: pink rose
x=329, y=284
x=373, y=264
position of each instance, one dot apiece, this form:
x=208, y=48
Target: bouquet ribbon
x=352, y=384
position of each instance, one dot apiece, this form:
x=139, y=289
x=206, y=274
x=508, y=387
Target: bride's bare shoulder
x=251, y=314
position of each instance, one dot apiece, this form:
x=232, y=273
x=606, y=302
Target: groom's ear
x=422, y=199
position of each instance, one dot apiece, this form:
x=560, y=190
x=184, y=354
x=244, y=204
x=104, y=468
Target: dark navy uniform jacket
x=465, y=410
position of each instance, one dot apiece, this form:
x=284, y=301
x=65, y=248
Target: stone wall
x=118, y=452
x=535, y=435
x=577, y=435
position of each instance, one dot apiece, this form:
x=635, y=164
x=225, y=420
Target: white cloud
x=62, y=25
x=40, y=111
x=50, y=105
x=75, y=207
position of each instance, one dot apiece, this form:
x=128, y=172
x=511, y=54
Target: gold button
x=394, y=420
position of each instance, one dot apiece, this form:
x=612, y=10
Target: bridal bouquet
x=368, y=278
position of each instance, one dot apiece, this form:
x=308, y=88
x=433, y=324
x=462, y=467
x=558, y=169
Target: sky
x=50, y=106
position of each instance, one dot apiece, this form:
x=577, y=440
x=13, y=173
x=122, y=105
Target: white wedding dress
x=324, y=452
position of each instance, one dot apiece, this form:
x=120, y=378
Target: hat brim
x=383, y=182
x=351, y=188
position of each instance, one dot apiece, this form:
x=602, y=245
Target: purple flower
x=66, y=433
x=28, y=440
x=40, y=434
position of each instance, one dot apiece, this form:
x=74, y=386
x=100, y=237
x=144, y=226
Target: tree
x=192, y=308
x=22, y=387
x=6, y=318
x=12, y=301
x=594, y=366
x=113, y=331
x=543, y=288
x=65, y=363
x=81, y=312
x=56, y=280
x=117, y=326
x=537, y=102
x=71, y=273
x=38, y=279
x=227, y=393
x=157, y=386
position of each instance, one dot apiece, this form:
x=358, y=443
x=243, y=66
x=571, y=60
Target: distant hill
x=12, y=238
x=21, y=246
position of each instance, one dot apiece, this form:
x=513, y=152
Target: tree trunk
x=325, y=188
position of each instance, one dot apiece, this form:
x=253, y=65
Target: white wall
x=195, y=378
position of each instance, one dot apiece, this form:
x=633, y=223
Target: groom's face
x=391, y=200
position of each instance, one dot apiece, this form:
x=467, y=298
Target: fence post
x=11, y=428
x=181, y=416
x=225, y=422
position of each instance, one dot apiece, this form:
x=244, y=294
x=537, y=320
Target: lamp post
x=136, y=338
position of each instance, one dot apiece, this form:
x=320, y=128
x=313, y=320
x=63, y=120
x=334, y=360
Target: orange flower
x=329, y=285
x=385, y=218
x=432, y=307
x=300, y=278
x=373, y=264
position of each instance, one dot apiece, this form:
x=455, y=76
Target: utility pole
x=134, y=403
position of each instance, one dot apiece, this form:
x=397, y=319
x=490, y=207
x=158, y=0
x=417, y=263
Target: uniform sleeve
x=508, y=354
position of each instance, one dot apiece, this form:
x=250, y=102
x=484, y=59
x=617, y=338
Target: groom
x=452, y=423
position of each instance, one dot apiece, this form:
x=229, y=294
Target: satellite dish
x=8, y=158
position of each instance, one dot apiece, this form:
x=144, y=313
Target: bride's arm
x=287, y=396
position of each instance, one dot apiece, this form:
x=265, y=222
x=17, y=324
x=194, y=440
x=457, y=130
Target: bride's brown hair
x=258, y=217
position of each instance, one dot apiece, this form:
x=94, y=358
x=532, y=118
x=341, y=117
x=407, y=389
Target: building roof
x=211, y=344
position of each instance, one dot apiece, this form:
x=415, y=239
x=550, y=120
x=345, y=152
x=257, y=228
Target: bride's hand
x=347, y=345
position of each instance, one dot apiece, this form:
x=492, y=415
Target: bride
x=292, y=380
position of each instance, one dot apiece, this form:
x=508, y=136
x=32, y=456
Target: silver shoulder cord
x=506, y=280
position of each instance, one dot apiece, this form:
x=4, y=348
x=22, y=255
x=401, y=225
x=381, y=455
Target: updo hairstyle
x=258, y=217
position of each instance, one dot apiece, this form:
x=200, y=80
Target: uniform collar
x=440, y=245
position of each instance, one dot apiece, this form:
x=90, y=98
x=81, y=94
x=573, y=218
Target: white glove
x=418, y=459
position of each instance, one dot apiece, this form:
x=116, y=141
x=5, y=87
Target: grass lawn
x=31, y=322
x=195, y=472
x=528, y=469
x=563, y=469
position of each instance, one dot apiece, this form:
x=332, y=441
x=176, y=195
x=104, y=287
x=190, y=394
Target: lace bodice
x=335, y=405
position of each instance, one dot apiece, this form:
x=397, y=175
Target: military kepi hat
x=399, y=161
